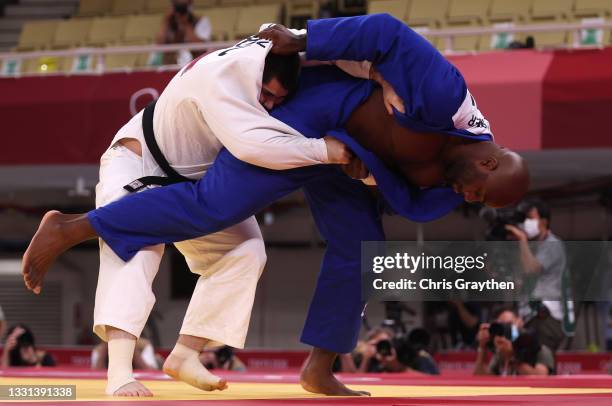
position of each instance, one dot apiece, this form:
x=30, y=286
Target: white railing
x=448, y=34
x=101, y=53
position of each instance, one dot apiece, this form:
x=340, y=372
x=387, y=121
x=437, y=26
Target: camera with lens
x=224, y=354
x=407, y=347
x=500, y=330
x=383, y=347
x=497, y=219
x=181, y=8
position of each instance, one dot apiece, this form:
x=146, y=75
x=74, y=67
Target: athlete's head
x=487, y=173
x=280, y=79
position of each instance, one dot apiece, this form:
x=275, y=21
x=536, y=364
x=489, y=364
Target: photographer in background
x=222, y=358
x=407, y=353
x=181, y=26
x=516, y=351
x=386, y=352
x=544, y=262
x=20, y=350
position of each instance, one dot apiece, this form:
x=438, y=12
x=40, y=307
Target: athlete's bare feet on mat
x=317, y=376
x=191, y=371
x=133, y=389
x=56, y=233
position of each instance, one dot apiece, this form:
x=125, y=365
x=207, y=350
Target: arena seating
x=250, y=18
x=103, y=23
x=37, y=35
x=90, y=8
x=482, y=13
x=223, y=21
x=297, y=10
x=397, y=8
x=467, y=14
x=106, y=31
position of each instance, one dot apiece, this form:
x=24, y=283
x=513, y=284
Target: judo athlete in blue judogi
x=441, y=121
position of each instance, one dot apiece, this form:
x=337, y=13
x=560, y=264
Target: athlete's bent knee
x=255, y=249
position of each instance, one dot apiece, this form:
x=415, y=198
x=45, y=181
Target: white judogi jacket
x=214, y=102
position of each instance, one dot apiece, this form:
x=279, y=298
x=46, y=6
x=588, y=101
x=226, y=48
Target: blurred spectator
x=222, y=358
x=20, y=349
x=2, y=322
x=516, y=351
x=385, y=352
x=144, y=356
x=393, y=316
x=528, y=44
x=544, y=262
x=180, y=26
x=364, y=356
x=463, y=321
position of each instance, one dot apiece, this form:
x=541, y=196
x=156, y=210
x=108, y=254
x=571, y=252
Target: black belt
x=172, y=176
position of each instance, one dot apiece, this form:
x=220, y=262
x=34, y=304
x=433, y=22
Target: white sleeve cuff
x=321, y=150
x=370, y=181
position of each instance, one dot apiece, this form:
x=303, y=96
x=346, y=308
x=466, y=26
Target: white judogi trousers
x=229, y=263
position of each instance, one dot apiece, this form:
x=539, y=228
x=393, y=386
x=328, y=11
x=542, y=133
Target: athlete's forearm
x=481, y=366
x=531, y=265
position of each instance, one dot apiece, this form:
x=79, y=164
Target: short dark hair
x=542, y=208
x=25, y=340
x=285, y=68
x=504, y=309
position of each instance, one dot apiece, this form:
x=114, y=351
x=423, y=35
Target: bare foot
x=317, y=376
x=192, y=372
x=53, y=237
x=133, y=389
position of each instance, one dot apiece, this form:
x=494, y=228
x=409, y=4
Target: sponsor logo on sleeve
x=469, y=118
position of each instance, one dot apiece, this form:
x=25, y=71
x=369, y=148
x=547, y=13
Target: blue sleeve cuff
x=315, y=42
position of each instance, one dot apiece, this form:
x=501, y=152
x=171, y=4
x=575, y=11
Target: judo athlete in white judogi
x=217, y=101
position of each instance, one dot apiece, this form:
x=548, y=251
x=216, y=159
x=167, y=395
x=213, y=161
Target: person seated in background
x=516, y=351
x=144, y=356
x=181, y=26
x=20, y=350
x=222, y=358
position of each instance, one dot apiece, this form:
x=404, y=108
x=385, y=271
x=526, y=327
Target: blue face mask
x=515, y=333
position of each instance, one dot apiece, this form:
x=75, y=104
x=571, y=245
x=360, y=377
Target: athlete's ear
x=491, y=163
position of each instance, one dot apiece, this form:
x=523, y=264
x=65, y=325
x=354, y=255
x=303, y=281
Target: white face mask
x=531, y=227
